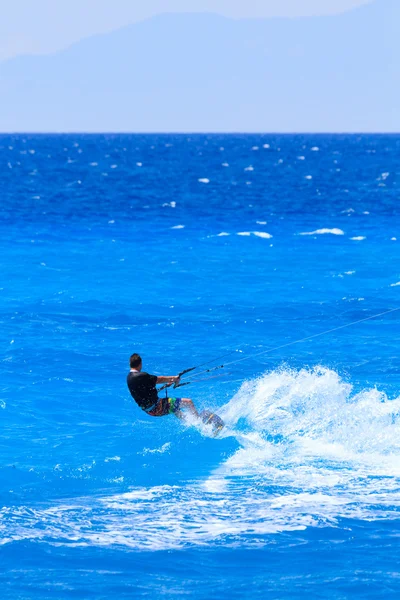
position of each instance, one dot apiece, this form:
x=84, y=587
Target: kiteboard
x=212, y=419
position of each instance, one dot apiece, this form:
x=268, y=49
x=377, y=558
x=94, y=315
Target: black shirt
x=142, y=387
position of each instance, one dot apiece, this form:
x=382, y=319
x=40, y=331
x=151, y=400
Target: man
x=142, y=387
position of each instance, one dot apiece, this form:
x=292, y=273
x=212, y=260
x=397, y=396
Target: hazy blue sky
x=42, y=26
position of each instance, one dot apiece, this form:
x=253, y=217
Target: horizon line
x=110, y=132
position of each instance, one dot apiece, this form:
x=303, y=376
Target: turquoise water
x=185, y=248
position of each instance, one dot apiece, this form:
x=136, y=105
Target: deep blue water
x=184, y=248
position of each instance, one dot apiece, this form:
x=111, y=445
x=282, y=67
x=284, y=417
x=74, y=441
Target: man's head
x=135, y=362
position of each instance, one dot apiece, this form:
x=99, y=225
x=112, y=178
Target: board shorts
x=165, y=406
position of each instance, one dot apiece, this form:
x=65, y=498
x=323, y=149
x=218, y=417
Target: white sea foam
x=324, y=231
x=262, y=234
x=164, y=448
x=311, y=451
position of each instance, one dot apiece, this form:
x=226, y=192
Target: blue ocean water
x=185, y=248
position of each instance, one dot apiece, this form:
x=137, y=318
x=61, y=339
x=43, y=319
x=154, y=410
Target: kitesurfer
x=142, y=387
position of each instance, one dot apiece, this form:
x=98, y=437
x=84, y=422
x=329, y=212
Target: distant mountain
x=203, y=72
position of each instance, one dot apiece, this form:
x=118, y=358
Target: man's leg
x=186, y=403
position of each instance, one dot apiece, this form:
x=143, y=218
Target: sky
x=46, y=26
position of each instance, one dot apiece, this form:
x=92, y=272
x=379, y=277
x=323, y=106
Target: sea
x=277, y=256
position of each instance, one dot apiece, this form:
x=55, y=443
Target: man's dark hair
x=135, y=361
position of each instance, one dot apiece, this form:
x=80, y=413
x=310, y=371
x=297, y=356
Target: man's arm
x=173, y=379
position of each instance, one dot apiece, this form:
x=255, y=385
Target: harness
x=148, y=410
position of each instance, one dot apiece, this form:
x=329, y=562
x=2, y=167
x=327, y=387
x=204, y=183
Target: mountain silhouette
x=204, y=72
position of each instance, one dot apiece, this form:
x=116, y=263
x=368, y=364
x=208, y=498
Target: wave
x=334, y=231
x=312, y=451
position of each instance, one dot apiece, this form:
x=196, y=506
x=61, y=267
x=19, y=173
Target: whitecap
x=315, y=149
x=333, y=231
x=262, y=234
x=308, y=177
x=261, y=222
x=222, y=234
x=395, y=284
x=225, y=164
x=358, y=238
x=178, y=227
x=244, y=233
x=164, y=448
x=139, y=164
x=204, y=180
x=301, y=158
x=94, y=164
x=266, y=146
x=255, y=148
x=250, y=168
x=170, y=204
x=393, y=239
x=114, y=166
